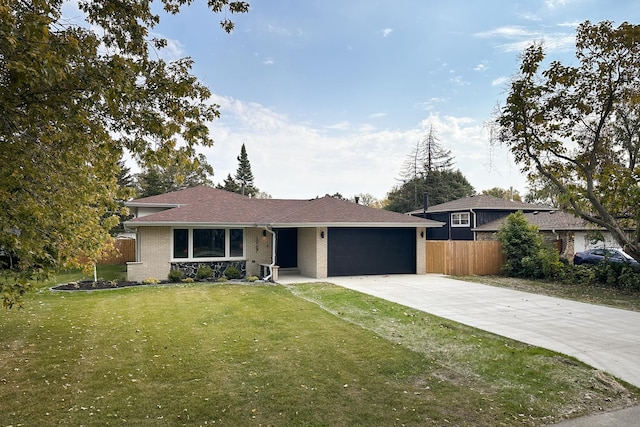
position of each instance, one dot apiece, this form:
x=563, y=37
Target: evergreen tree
x=440, y=187
x=230, y=185
x=244, y=176
x=428, y=169
x=127, y=187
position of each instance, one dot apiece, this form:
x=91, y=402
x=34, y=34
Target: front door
x=287, y=247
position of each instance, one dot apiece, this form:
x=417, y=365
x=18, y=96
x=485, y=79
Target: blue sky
x=331, y=96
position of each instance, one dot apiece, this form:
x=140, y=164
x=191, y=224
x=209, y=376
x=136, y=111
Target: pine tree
x=428, y=169
x=244, y=176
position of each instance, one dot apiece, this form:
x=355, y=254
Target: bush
x=232, y=272
x=204, y=272
x=175, y=276
x=526, y=255
x=544, y=264
x=582, y=274
x=151, y=281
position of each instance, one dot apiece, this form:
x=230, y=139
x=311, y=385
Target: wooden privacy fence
x=462, y=257
x=124, y=250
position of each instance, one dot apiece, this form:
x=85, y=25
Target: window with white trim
x=460, y=219
x=207, y=244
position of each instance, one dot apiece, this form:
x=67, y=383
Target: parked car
x=595, y=256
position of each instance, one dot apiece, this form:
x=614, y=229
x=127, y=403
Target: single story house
x=462, y=216
x=566, y=232
x=317, y=238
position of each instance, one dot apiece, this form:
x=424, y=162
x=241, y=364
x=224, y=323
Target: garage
x=362, y=251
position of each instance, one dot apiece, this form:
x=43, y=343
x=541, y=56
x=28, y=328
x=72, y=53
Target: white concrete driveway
x=605, y=338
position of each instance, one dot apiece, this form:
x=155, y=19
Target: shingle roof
x=483, y=202
x=545, y=221
x=205, y=205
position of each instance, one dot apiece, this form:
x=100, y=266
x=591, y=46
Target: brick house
x=317, y=238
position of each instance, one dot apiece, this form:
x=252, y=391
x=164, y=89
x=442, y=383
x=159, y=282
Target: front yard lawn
x=250, y=355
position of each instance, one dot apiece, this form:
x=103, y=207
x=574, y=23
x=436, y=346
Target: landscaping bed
x=90, y=285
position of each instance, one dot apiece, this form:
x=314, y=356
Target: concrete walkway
x=605, y=338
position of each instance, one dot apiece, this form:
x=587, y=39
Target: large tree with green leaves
x=73, y=98
x=155, y=179
x=578, y=127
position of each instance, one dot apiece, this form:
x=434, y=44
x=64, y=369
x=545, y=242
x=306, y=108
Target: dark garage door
x=355, y=251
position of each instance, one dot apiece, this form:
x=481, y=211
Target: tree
x=229, y=184
x=426, y=156
x=73, y=97
x=439, y=186
x=126, y=190
x=501, y=193
x=526, y=254
x=244, y=176
x=155, y=179
x=542, y=191
x=428, y=169
x=242, y=182
x=366, y=199
x=577, y=126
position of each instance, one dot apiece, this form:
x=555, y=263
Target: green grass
x=270, y=355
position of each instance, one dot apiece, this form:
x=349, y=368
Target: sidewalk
x=605, y=338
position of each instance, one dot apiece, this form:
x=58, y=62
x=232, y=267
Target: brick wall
x=154, y=245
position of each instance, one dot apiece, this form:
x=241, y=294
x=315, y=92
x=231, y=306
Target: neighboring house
x=566, y=232
x=318, y=238
x=462, y=216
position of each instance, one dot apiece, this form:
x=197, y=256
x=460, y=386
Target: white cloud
x=268, y=61
x=517, y=39
x=458, y=81
x=431, y=103
x=499, y=81
x=480, y=67
x=387, y=32
x=377, y=115
x=296, y=160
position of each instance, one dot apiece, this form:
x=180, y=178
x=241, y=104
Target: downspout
x=273, y=252
x=474, y=223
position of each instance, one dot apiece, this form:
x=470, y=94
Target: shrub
x=252, y=278
x=526, y=255
x=175, y=276
x=151, y=281
x=204, y=272
x=582, y=274
x=232, y=272
x=187, y=280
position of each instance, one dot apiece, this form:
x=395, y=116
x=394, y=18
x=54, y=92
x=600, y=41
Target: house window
x=236, y=242
x=181, y=243
x=208, y=243
x=460, y=219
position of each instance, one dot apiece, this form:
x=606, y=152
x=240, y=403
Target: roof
x=546, y=221
x=484, y=202
x=206, y=205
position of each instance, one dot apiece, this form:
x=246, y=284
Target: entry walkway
x=605, y=338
